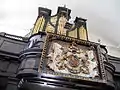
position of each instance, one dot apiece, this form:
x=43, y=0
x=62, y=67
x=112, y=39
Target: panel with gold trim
x=50, y=28
x=73, y=33
x=53, y=20
x=39, y=25
x=61, y=24
x=82, y=33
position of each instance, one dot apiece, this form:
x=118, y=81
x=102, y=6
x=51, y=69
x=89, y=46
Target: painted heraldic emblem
x=72, y=59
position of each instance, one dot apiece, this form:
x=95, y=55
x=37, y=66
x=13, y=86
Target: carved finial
x=65, y=6
x=99, y=40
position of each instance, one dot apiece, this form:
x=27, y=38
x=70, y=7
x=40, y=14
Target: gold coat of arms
x=72, y=59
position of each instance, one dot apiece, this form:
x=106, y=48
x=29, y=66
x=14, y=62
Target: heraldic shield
x=69, y=57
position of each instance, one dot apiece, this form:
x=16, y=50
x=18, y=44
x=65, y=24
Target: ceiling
x=18, y=17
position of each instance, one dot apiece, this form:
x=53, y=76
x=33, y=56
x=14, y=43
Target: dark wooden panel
x=11, y=44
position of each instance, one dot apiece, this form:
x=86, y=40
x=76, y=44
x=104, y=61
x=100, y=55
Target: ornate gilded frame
x=50, y=37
